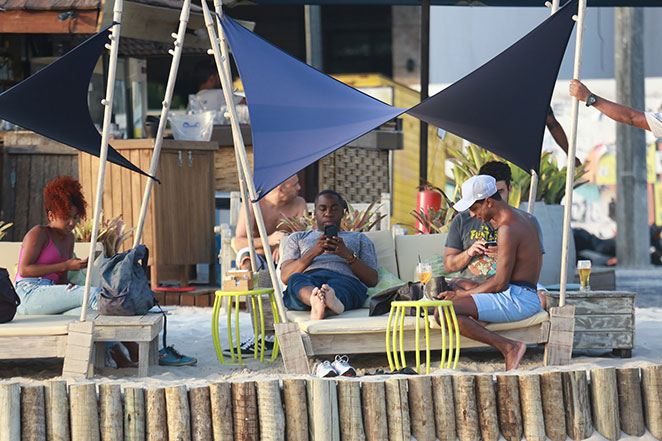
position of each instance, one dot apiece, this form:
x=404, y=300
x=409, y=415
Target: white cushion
x=408, y=248
x=384, y=248
x=35, y=325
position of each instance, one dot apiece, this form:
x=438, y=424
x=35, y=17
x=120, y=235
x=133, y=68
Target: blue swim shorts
x=515, y=303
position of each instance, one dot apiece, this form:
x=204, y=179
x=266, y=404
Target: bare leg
x=467, y=315
x=331, y=301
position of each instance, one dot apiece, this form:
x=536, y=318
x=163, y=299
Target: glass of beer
x=424, y=273
x=584, y=269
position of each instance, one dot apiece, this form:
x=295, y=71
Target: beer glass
x=584, y=269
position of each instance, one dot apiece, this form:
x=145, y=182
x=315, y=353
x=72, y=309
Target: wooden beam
x=46, y=22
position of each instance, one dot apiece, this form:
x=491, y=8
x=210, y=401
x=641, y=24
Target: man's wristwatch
x=352, y=259
x=591, y=100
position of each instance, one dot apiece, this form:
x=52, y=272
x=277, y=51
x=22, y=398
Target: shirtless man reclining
x=510, y=295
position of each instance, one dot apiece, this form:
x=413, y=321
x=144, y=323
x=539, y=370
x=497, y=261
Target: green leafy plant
x=551, y=182
x=432, y=221
x=353, y=220
x=111, y=234
x=3, y=228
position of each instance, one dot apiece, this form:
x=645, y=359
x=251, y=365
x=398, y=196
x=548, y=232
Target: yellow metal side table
x=255, y=295
x=450, y=334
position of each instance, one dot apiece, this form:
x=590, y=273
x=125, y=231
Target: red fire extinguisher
x=425, y=200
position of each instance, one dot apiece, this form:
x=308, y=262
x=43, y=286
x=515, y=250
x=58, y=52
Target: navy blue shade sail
x=502, y=105
x=298, y=114
x=53, y=101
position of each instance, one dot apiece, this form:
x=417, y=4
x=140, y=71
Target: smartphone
x=331, y=231
x=491, y=243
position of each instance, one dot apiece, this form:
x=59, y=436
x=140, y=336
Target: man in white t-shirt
x=618, y=112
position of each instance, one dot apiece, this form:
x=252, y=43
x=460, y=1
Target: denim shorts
x=513, y=304
x=350, y=291
x=43, y=296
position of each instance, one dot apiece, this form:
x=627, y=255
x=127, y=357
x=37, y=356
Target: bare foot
x=317, y=306
x=514, y=356
x=331, y=300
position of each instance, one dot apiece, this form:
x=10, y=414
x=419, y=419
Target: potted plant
x=354, y=220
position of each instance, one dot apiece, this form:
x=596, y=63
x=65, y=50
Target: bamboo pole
x=270, y=411
x=220, y=395
x=572, y=151
x=10, y=411
x=551, y=389
x=57, y=411
x=651, y=386
x=33, y=417
x=296, y=409
x=630, y=405
x=577, y=405
x=510, y=412
x=155, y=415
x=375, y=414
x=134, y=414
x=604, y=398
x=110, y=412
x=466, y=412
x=178, y=413
x=84, y=413
x=397, y=407
x=244, y=410
x=200, y=413
x=323, y=410
x=107, y=102
x=165, y=107
x=486, y=402
x=532, y=413
x=421, y=408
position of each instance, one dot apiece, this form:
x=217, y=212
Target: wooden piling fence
x=460, y=406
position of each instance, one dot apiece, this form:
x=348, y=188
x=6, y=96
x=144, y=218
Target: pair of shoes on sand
x=248, y=346
x=169, y=356
x=338, y=368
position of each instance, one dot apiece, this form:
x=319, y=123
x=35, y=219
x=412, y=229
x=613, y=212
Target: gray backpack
x=124, y=286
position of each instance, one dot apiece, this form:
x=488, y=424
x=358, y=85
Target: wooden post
x=244, y=409
x=78, y=355
x=421, y=408
x=134, y=414
x=466, y=412
x=200, y=413
x=33, y=418
x=57, y=411
x=551, y=388
x=486, y=401
x=178, y=413
x=558, y=350
x=375, y=417
x=651, y=385
x=270, y=411
x=155, y=415
x=532, y=414
x=220, y=395
x=296, y=409
x=110, y=412
x=323, y=402
x=577, y=405
x=630, y=406
x=349, y=410
x=397, y=408
x=10, y=411
x=604, y=399
x=510, y=412
x=84, y=413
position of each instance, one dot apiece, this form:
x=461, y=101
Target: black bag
x=380, y=303
x=9, y=300
x=124, y=286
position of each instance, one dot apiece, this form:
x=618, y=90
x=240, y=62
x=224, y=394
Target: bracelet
x=352, y=259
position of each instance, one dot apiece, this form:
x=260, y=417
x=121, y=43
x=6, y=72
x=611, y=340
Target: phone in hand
x=490, y=243
x=331, y=231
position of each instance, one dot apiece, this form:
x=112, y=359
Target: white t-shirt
x=655, y=123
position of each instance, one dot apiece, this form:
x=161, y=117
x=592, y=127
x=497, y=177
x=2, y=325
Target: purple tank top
x=48, y=256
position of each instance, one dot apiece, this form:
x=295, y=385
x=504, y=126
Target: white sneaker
x=342, y=367
x=325, y=370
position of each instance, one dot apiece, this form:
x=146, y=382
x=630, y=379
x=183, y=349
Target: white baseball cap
x=475, y=189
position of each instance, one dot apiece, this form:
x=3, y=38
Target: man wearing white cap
x=510, y=295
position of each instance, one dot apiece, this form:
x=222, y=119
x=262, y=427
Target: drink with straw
x=424, y=273
x=584, y=269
